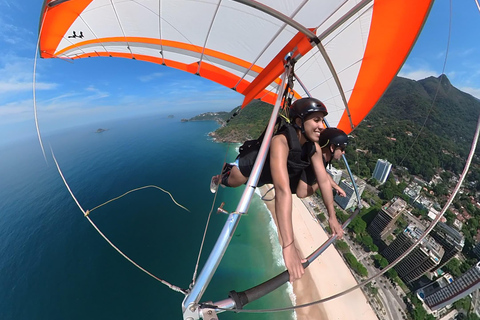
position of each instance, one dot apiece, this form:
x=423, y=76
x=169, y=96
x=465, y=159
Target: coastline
x=324, y=277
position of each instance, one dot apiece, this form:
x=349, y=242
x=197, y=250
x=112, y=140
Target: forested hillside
x=422, y=125
x=248, y=124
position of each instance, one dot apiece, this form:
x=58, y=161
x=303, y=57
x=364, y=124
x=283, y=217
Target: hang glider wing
x=241, y=44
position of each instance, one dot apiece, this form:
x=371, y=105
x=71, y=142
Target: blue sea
x=54, y=264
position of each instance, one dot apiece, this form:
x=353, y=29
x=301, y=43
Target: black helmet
x=333, y=136
x=304, y=106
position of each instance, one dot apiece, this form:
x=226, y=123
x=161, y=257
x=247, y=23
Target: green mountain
x=445, y=110
x=422, y=125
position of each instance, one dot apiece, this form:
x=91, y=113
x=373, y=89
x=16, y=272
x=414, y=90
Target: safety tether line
x=396, y=261
x=166, y=283
x=136, y=189
x=194, y=277
x=438, y=87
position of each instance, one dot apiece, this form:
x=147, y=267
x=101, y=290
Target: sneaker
x=214, y=184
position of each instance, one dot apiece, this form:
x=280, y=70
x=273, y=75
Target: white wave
x=277, y=252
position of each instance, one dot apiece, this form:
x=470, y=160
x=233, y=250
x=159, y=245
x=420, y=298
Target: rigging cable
x=194, y=277
x=34, y=91
x=438, y=86
x=86, y=213
x=136, y=189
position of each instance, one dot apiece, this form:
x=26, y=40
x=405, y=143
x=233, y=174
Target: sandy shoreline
x=326, y=276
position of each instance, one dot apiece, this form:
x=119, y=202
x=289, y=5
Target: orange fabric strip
x=394, y=30
x=276, y=67
x=57, y=21
x=166, y=43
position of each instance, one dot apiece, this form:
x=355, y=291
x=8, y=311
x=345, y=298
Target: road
x=390, y=297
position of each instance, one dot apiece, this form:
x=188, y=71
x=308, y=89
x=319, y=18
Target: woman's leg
x=304, y=190
x=232, y=178
x=236, y=178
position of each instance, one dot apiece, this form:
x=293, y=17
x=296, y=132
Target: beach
x=326, y=276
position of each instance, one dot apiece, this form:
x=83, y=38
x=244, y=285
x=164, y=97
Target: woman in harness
x=333, y=142
x=294, y=165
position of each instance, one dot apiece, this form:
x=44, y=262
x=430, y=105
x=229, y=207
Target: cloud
x=417, y=69
x=14, y=36
x=417, y=74
x=17, y=111
x=466, y=52
x=96, y=93
x=150, y=77
x=473, y=91
x=16, y=75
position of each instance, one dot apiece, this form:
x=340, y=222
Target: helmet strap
x=331, y=154
x=301, y=128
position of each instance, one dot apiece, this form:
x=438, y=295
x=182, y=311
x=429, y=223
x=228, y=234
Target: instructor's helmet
x=304, y=106
x=333, y=136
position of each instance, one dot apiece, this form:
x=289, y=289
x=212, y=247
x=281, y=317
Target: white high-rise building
x=382, y=170
x=335, y=173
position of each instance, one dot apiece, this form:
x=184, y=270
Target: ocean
x=54, y=264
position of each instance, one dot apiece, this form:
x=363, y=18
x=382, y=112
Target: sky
x=69, y=94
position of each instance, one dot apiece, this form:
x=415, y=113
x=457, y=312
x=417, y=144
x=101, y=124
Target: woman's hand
x=340, y=192
x=293, y=262
x=336, y=227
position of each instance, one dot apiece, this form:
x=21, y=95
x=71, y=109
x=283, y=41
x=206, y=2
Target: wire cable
x=136, y=189
x=438, y=87
x=34, y=87
x=194, y=277
x=86, y=213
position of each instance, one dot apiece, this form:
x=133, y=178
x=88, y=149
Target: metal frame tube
x=275, y=282
x=191, y=300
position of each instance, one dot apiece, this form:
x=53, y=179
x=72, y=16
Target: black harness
x=298, y=160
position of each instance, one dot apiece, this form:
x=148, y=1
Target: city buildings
x=424, y=257
x=461, y=287
x=476, y=249
x=450, y=239
x=384, y=222
x=382, y=170
x=413, y=192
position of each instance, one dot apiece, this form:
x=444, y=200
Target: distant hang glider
x=348, y=51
